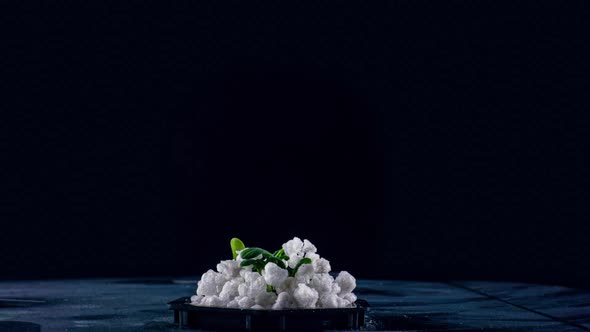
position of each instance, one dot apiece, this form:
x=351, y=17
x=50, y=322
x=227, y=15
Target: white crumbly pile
x=233, y=286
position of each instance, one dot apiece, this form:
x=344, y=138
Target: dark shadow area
x=14, y=326
x=407, y=140
x=388, y=322
x=270, y=152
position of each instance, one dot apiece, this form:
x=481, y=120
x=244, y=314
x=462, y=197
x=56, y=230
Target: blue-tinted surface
x=140, y=305
x=556, y=301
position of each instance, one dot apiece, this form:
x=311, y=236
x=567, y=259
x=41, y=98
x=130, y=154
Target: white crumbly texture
x=305, y=297
x=233, y=286
x=274, y=275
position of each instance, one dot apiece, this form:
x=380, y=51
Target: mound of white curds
x=303, y=282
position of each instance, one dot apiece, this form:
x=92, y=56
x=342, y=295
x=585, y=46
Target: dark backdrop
x=407, y=140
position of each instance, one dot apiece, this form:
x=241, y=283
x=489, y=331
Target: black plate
x=230, y=319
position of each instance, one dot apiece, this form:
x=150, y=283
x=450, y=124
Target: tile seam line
x=492, y=297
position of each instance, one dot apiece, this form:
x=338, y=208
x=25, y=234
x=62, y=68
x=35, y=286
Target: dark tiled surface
x=563, y=303
x=442, y=307
x=140, y=305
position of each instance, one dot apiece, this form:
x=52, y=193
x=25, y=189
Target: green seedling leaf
x=245, y=252
x=236, y=245
x=301, y=262
x=248, y=262
x=264, y=252
x=259, y=265
x=279, y=253
x=250, y=253
x=274, y=259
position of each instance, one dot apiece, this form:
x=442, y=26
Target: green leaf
x=301, y=262
x=264, y=252
x=236, y=245
x=250, y=253
x=279, y=252
x=275, y=260
x=248, y=262
x=259, y=265
x=253, y=252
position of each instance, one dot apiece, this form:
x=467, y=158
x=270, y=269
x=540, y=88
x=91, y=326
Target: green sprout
x=258, y=257
x=236, y=245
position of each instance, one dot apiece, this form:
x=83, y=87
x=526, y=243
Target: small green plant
x=258, y=257
x=236, y=245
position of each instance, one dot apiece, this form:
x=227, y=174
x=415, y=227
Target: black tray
x=230, y=319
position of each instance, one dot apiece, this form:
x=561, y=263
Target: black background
x=407, y=140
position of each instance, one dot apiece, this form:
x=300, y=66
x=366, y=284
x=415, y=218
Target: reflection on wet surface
x=145, y=281
x=20, y=302
x=97, y=317
x=140, y=305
